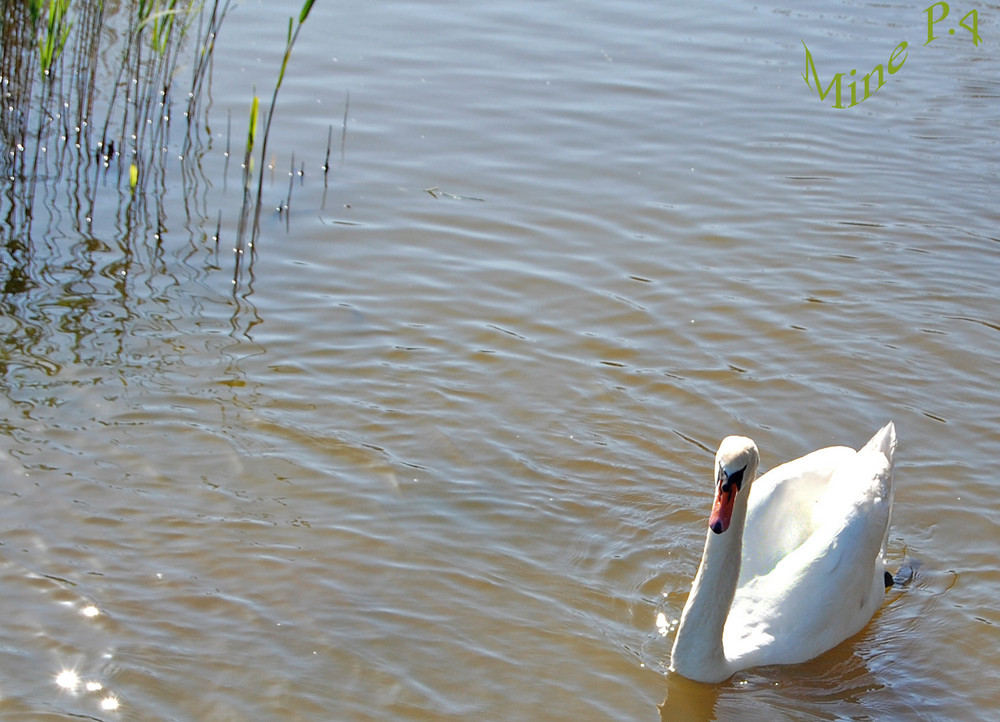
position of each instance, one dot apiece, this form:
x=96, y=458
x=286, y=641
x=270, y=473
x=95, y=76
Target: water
x=444, y=451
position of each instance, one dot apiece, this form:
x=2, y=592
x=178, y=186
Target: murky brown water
x=443, y=452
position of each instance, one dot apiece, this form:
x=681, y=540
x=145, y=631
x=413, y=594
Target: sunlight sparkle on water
x=68, y=679
x=662, y=625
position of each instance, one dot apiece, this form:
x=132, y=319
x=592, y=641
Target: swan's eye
x=736, y=479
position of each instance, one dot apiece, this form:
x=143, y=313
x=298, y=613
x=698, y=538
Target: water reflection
x=835, y=679
x=638, y=275
x=92, y=147
x=69, y=680
x=688, y=701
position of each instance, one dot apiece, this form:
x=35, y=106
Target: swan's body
x=794, y=562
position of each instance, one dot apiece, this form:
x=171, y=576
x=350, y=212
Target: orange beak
x=722, y=507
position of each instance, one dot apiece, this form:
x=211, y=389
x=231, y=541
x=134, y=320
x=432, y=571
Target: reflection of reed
x=85, y=160
x=73, y=130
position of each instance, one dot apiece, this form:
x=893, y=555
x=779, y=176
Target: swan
x=794, y=562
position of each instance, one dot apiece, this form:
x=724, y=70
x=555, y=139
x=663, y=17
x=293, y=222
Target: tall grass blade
x=305, y=11
x=292, y=37
x=247, y=175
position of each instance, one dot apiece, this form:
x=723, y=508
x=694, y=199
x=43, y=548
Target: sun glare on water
x=68, y=679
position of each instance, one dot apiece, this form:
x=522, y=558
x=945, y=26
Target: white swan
x=794, y=562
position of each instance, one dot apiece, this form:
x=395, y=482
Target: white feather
x=800, y=568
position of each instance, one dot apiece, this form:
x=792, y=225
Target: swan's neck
x=698, y=651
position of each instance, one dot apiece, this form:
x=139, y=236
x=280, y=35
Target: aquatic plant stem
x=292, y=37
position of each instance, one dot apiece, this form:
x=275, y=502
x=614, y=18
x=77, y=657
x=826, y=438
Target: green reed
x=247, y=182
x=51, y=44
x=51, y=129
x=293, y=35
x=69, y=128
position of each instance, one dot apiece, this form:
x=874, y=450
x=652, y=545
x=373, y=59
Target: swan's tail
x=883, y=441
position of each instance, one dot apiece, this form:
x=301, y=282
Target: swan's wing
x=780, y=510
x=829, y=587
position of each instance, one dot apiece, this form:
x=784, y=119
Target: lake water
x=443, y=450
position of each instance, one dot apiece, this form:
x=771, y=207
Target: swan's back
x=781, y=511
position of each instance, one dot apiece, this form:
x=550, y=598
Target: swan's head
x=735, y=469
